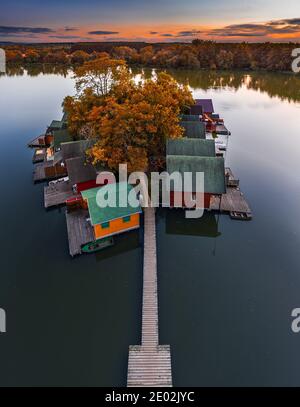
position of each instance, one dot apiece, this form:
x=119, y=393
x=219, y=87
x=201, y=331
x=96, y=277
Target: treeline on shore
x=197, y=55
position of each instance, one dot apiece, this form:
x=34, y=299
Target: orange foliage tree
x=131, y=121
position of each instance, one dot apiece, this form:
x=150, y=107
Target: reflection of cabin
x=110, y=221
x=177, y=224
x=192, y=156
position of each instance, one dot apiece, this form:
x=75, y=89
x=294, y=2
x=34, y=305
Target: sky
x=151, y=21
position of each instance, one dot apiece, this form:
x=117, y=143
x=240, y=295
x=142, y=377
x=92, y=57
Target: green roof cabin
x=191, y=147
x=192, y=156
x=194, y=129
x=111, y=221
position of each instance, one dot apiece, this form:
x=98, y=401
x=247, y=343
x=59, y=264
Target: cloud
x=103, y=32
x=65, y=37
x=289, y=21
x=286, y=26
x=167, y=35
x=22, y=30
x=71, y=29
x=189, y=33
x=153, y=32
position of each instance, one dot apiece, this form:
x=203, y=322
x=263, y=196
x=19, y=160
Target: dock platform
x=80, y=232
x=222, y=130
x=149, y=365
x=233, y=203
x=58, y=194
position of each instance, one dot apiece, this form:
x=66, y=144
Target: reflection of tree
x=37, y=69
x=284, y=86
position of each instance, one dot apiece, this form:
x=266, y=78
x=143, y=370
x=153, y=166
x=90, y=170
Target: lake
x=226, y=288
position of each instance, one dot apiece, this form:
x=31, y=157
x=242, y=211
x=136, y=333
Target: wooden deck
x=80, y=231
x=231, y=180
x=40, y=176
x=55, y=195
x=39, y=155
x=149, y=365
x=222, y=130
x=39, y=173
x=233, y=202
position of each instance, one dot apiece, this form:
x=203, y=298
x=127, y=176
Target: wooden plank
x=55, y=195
x=149, y=365
x=232, y=202
x=80, y=231
x=40, y=176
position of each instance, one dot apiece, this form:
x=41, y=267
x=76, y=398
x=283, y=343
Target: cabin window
x=105, y=225
x=127, y=219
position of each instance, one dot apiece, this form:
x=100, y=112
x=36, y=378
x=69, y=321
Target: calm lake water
x=226, y=288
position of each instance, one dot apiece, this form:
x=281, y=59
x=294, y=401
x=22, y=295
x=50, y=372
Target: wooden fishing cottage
x=91, y=227
x=192, y=156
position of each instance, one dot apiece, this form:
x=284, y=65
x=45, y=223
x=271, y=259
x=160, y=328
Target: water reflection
x=123, y=244
x=177, y=224
x=284, y=86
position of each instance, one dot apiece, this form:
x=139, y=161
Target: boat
x=97, y=245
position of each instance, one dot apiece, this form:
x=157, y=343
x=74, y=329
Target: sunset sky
x=151, y=21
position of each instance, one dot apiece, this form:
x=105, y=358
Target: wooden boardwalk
x=149, y=365
x=55, y=195
x=80, y=231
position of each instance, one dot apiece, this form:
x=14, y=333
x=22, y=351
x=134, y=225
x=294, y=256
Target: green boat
x=97, y=245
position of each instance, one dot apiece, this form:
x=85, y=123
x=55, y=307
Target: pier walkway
x=149, y=365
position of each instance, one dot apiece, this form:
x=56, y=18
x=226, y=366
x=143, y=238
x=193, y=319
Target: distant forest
x=197, y=55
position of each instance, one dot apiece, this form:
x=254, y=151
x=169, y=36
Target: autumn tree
x=146, y=55
x=14, y=56
x=126, y=53
x=79, y=57
x=224, y=59
x=100, y=75
x=32, y=56
x=135, y=130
